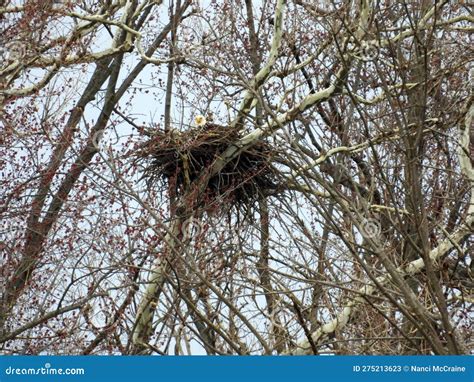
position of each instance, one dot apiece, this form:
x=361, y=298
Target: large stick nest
x=177, y=159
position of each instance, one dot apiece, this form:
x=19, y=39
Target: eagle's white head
x=200, y=120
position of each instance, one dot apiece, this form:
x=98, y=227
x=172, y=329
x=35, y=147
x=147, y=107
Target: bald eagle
x=200, y=120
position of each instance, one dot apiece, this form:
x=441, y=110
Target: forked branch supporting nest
x=180, y=158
